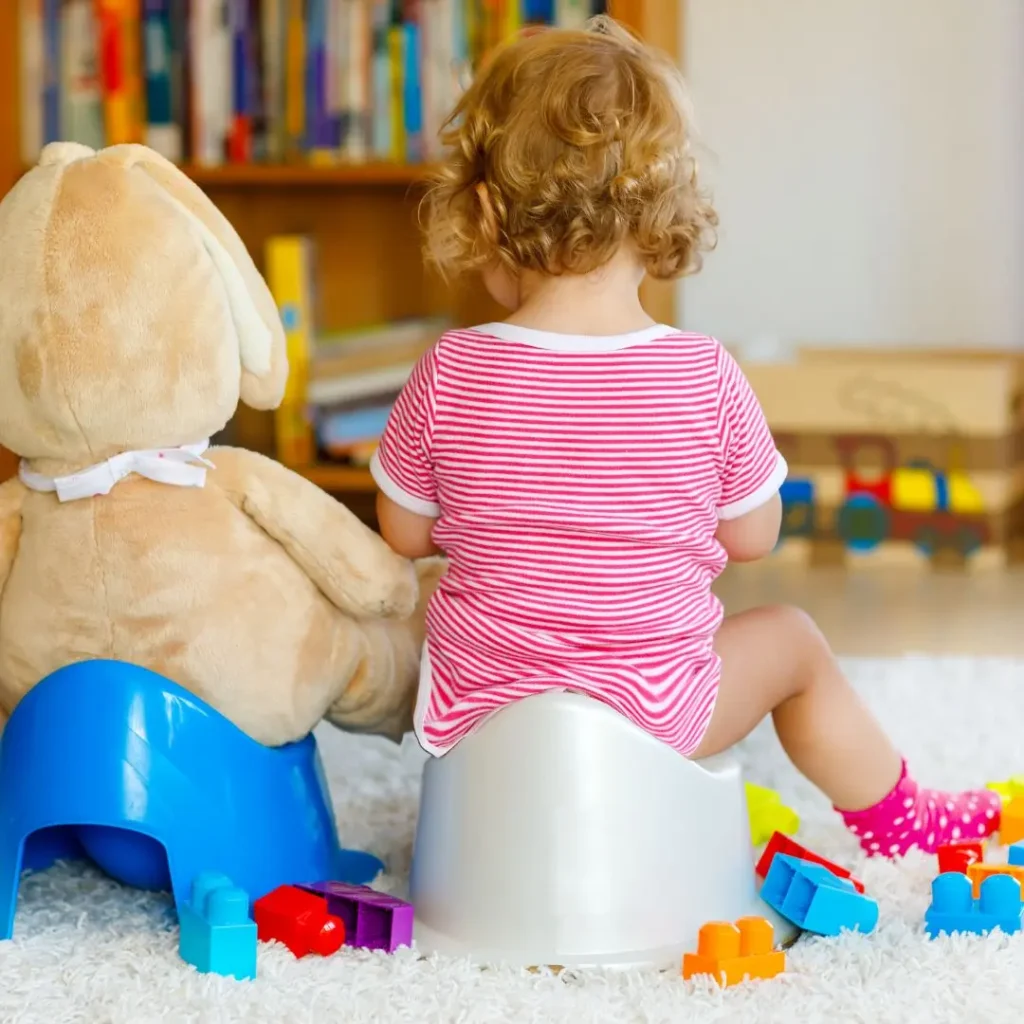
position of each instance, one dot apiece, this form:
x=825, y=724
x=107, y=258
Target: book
x=274, y=52
x=289, y=273
x=51, y=71
x=246, y=81
x=210, y=48
x=32, y=78
x=348, y=388
x=243, y=73
x=120, y=43
x=163, y=127
x=355, y=352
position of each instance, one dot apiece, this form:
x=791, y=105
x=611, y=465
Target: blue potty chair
x=113, y=762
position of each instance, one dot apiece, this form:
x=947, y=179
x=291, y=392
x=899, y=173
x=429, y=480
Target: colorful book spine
x=318, y=126
x=51, y=71
x=181, y=71
x=539, y=12
x=412, y=97
x=31, y=79
x=396, y=54
x=572, y=13
x=257, y=107
x=81, y=117
x=274, y=31
x=210, y=85
x=242, y=73
x=289, y=275
x=121, y=70
x=295, y=77
x=380, y=91
x=356, y=90
x=163, y=130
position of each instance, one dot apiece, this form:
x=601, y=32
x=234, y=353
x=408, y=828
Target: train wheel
x=928, y=540
x=863, y=522
x=967, y=540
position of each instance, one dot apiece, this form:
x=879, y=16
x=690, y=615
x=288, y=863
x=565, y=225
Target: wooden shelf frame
x=363, y=218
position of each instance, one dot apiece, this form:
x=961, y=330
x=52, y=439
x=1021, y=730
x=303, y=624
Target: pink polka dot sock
x=926, y=818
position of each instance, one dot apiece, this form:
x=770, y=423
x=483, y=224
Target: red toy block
x=298, y=920
x=960, y=855
x=783, y=844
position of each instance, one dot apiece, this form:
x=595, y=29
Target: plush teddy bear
x=132, y=320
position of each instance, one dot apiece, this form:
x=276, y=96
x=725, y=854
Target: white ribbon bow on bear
x=175, y=466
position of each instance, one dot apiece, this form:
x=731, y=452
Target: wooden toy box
x=899, y=456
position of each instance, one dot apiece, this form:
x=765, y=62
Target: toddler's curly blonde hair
x=582, y=141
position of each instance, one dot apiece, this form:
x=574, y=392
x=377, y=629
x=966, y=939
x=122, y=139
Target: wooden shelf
x=339, y=175
x=338, y=479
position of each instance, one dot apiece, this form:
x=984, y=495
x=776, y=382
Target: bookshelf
x=362, y=218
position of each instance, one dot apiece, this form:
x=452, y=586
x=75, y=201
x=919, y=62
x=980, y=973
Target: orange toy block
x=731, y=953
x=1011, y=821
x=977, y=873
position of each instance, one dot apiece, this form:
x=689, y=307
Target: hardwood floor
x=890, y=611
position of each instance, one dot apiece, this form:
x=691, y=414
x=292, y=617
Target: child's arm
x=406, y=532
x=754, y=535
x=403, y=466
x=752, y=470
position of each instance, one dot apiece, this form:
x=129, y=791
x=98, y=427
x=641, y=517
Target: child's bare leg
x=776, y=660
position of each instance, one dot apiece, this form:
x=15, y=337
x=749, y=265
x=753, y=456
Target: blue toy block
x=816, y=900
x=954, y=908
x=217, y=934
x=1015, y=854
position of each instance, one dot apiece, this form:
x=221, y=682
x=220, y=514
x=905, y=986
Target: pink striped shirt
x=577, y=484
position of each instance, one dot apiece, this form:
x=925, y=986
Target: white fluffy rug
x=89, y=951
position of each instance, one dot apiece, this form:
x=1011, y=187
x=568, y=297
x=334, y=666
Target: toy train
x=915, y=502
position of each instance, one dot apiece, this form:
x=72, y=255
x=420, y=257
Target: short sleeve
x=402, y=466
x=752, y=468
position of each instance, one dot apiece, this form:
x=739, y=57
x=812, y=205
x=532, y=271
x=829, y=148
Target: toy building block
x=768, y=814
x=955, y=909
x=732, y=953
x=977, y=873
x=782, y=844
x=815, y=899
x=299, y=920
x=373, y=920
x=1015, y=854
x=960, y=855
x=217, y=934
x=1009, y=789
x=1011, y=821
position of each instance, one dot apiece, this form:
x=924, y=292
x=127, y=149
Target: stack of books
x=239, y=81
x=341, y=387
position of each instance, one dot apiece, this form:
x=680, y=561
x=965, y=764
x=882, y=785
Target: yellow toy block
x=768, y=814
x=1009, y=789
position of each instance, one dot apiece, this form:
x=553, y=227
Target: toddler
x=588, y=471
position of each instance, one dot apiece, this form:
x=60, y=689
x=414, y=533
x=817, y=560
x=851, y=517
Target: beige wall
x=868, y=161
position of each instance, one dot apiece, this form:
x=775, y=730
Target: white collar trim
x=174, y=466
x=574, y=342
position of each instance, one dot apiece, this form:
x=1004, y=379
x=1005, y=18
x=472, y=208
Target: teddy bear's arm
x=12, y=495
x=350, y=564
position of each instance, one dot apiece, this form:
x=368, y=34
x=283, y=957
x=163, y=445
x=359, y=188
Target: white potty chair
x=559, y=833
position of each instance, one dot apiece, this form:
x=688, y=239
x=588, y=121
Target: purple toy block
x=373, y=920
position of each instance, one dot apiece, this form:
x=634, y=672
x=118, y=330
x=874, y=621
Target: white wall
x=868, y=165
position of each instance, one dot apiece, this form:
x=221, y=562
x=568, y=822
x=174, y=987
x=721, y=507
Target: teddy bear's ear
x=261, y=339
